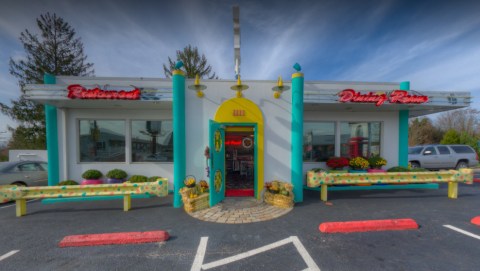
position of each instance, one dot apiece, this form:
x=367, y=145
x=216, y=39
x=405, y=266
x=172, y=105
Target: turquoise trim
x=403, y=116
x=93, y=198
x=179, y=141
x=52, y=137
x=405, y=85
x=403, y=138
x=377, y=187
x=297, y=138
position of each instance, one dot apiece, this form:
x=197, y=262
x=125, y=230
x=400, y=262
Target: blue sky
x=433, y=44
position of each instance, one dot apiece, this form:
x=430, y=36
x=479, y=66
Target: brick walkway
x=234, y=210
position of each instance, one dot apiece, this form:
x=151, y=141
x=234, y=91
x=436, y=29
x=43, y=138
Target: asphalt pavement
x=290, y=242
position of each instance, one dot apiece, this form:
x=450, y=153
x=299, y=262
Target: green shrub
x=117, y=174
x=398, y=169
x=92, y=174
x=154, y=178
x=138, y=179
x=68, y=182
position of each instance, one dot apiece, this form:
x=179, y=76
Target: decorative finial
x=297, y=67
x=197, y=80
x=279, y=88
x=178, y=65
x=239, y=87
x=198, y=87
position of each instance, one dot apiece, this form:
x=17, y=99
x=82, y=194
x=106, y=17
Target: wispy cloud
x=433, y=44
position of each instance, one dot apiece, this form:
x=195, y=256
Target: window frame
x=335, y=124
x=131, y=136
x=337, y=135
x=78, y=120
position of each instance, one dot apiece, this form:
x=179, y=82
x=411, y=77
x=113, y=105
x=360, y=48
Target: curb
x=476, y=220
x=369, y=225
x=113, y=238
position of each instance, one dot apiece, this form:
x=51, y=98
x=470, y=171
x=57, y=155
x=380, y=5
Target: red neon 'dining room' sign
x=77, y=91
x=394, y=97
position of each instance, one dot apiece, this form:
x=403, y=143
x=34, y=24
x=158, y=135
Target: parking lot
x=291, y=242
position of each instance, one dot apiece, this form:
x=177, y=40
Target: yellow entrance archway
x=243, y=111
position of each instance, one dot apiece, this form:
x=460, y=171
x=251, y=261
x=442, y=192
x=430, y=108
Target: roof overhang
x=318, y=96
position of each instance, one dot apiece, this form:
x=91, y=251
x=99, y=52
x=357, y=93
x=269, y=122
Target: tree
x=451, y=137
x=462, y=120
x=193, y=63
x=55, y=51
x=454, y=137
x=422, y=131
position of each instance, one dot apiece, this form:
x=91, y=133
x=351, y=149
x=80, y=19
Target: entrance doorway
x=239, y=161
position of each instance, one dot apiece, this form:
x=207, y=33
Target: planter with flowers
x=92, y=176
x=376, y=162
x=279, y=194
x=116, y=176
x=337, y=164
x=358, y=165
x=195, y=196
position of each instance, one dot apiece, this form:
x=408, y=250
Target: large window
x=359, y=139
x=319, y=141
x=152, y=141
x=102, y=141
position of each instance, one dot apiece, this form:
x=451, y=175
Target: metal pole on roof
x=236, y=39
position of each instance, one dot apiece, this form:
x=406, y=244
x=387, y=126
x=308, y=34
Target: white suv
x=442, y=156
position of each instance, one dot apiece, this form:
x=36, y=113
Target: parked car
x=26, y=173
x=442, y=156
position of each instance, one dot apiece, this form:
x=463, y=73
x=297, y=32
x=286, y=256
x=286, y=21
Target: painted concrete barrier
x=21, y=194
x=452, y=177
x=369, y=225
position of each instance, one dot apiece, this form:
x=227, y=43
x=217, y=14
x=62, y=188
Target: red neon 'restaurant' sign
x=79, y=92
x=394, y=97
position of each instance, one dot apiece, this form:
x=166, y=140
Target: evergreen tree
x=194, y=64
x=57, y=51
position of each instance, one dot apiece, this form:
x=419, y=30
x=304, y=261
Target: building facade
x=238, y=135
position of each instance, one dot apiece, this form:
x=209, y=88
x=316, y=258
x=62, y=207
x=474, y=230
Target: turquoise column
x=297, y=136
x=403, y=131
x=179, y=150
x=52, y=137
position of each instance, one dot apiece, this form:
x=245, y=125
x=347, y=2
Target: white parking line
x=462, y=231
x=14, y=204
x=4, y=256
x=198, y=262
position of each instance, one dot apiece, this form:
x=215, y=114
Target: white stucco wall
x=276, y=116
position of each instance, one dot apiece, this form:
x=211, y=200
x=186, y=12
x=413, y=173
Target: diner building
x=236, y=134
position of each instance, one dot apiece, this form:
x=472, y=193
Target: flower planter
x=113, y=180
x=279, y=200
x=337, y=171
x=376, y=170
x=90, y=182
x=357, y=171
x=194, y=204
